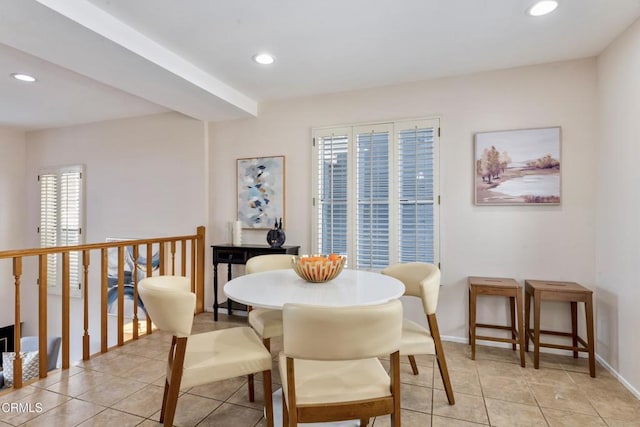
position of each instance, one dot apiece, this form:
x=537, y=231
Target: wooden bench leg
x=527, y=321
x=472, y=322
x=574, y=328
x=536, y=331
x=512, y=310
x=520, y=328
x=588, y=306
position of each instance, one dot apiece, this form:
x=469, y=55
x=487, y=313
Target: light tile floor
x=124, y=388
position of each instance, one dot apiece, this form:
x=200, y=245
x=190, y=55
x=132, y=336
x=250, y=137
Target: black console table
x=230, y=254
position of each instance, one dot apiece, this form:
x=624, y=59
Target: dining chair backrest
x=169, y=302
x=341, y=333
x=269, y=262
x=420, y=280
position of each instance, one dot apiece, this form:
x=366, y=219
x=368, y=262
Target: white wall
x=553, y=242
x=618, y=205
x=145, y=177
x=12, y=200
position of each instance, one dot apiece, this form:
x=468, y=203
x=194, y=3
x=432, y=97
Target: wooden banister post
x=200, y=253
x=173, y=257
x=183, y=259
x=104, y=284
x=86, y=260
x=149, y=274
x=66, y=304
x=42, y=314
x=135, y=291
x=120, y=296
x=17, y=364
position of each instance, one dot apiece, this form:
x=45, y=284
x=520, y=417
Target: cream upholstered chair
x=422, y=280
x=201, y=358
x=266, y=322
x=329, y=366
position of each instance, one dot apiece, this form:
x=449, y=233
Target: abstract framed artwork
x=260, y=191
x=518, y=167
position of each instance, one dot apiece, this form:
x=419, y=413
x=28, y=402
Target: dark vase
x=276, y=236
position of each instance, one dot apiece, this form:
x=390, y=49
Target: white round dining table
x=273, y=289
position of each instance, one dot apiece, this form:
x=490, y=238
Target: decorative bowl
x=318, y=268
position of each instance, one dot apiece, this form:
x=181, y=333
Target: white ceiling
x=105, y=59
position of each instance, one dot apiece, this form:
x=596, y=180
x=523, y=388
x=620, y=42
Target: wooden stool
x=559, y=291
x=496, y=287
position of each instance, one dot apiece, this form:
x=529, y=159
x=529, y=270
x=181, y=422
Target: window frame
x=351, y=131
x=55, y=287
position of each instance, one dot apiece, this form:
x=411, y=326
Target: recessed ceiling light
x=542, y=7
x=264, y=58
x=23, y=77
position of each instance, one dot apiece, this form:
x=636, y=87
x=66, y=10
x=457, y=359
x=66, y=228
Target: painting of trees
x=492, y=164
x=516, y=167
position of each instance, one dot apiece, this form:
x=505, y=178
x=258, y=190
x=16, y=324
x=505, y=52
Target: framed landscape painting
x=518, y=167
x=260, y=184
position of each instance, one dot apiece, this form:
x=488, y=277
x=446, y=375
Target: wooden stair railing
x=192, y=247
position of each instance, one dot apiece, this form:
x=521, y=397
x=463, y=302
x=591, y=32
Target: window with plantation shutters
x=331, y=190
x=61, y=218
x=376, y=193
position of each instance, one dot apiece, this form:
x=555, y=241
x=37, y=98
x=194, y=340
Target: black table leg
x=215, y=292
x=228, y=280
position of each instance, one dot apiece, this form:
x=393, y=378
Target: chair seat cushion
x=227, y=353
x=336, y=381
x=416, y=339
x=267, y=323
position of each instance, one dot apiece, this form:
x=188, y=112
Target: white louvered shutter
x=372, y=189
x=416, y=194
x=61, y=218
x=49, y=221
x=331, y=193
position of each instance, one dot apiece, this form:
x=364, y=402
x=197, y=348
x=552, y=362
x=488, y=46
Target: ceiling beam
x=100, y=22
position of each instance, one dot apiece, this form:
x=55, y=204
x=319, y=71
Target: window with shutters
x=61, y=222
x=376, y=192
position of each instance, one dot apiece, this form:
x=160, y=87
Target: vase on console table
x=276, y=236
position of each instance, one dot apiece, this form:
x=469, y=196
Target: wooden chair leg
x=172, y=403
x=268, y=397
x=169, y=408
x=285, y=412
x=252, y=394
x=442, y=362
x=293, y=407
x=395, y=388
x=414, y=365
x=364, y=422
x=164, y=399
